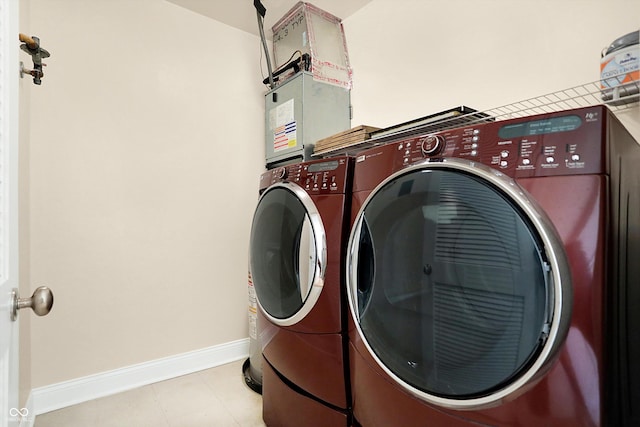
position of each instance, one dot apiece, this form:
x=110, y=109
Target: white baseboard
x=56, y=396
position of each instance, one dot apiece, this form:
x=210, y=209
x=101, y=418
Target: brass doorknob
x=40, y=302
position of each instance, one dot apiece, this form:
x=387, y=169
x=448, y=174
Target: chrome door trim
x=321, y=254
x=561, y=289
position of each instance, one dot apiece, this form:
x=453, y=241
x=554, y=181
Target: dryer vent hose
x=261, y=11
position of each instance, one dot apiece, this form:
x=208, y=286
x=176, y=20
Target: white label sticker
x=285, y=136
x=284, y=113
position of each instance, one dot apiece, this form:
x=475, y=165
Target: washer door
x=457, y=283
x=287, y=253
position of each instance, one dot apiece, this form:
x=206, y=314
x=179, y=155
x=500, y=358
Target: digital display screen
x=541, y=127
x=322, y=167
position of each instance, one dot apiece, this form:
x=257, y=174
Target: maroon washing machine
x=493, y=276
x=297, y=251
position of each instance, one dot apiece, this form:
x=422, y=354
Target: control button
x=400, y=147
x=406, y=160
x=550, y=159
x=504, y=154
x=503, y=163
x=474, y=145
x=476, y=131
x=407, y=152
x=526, y=162
x=575, y=157
x=474, y=153
x=432, y=144
x=475, y=138
x=282, y=173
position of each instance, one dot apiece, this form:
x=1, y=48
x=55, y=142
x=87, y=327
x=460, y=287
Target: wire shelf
x=599, y=92
x=618, y=98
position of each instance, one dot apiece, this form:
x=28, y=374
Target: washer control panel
x=325, y=176
x=560, y=143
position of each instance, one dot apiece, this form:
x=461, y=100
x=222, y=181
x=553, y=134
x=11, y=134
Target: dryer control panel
x=561, y=143
x=327, y=176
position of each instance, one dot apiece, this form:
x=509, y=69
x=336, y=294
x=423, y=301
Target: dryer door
x=457, y=283
x=287, y=253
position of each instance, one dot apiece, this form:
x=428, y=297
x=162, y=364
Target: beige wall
x=412, y=58
x=145, y=151
x=146, y=147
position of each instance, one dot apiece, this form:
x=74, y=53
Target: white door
x=10, y=413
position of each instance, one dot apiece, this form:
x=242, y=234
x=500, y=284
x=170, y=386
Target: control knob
x=432, y=144
x=282, y=173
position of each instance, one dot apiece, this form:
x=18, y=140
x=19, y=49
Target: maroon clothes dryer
x=297, y=250
x=493, y=275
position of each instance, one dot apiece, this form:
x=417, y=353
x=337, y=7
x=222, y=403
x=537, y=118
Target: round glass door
x=457, y=285
x=287, y=253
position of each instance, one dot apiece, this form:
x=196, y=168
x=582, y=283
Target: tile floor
x=214, y=397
